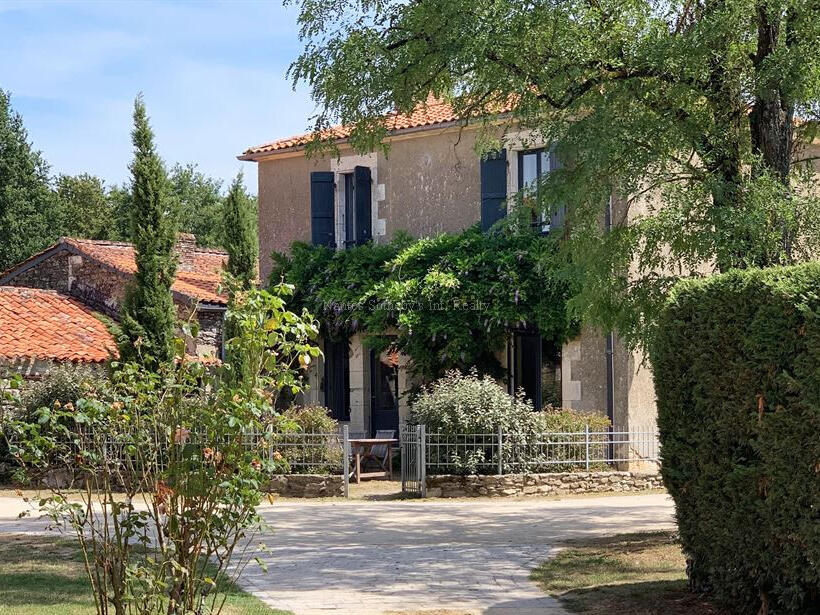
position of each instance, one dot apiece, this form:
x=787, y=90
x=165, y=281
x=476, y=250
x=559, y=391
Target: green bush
x=62, y=385
x=462, y=414
x=305, y=439
x=737, y=374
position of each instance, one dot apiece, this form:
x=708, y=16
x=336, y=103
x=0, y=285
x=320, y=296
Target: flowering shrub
x=169, y=483
x=462, y=414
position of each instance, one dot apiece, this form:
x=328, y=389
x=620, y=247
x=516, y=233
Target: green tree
x=148, y=312
x=200, y=203
x=705, y=105
x=120, y=199
x=239, y=233
x=84, y=207
x=28, y=222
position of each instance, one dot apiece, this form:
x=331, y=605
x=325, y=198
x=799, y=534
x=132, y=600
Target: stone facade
x=307, y=485
x=565, y=483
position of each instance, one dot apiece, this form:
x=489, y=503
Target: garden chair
x=379, y=451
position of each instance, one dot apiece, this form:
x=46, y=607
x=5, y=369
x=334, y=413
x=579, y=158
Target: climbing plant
x=447, y=301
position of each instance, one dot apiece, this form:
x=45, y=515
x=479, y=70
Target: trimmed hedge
x=737, y=373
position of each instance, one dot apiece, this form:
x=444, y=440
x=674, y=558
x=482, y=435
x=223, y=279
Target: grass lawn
x=630, y=574
x=44, y=575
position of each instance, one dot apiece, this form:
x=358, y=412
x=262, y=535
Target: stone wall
x=565, y=483
x=50, y=274
x=307, y=485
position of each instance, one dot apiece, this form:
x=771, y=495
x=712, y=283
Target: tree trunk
x=772, y=116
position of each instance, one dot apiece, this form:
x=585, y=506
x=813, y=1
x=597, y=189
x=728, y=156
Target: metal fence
x=517, y=452
x=299, y=452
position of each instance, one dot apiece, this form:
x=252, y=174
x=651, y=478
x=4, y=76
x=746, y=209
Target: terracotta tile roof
x=431, y=113
x=43, y=324
x=199, y=271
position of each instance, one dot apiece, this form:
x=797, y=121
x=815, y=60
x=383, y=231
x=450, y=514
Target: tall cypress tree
x=28, y=216
x=239, y=227
x=148, y=313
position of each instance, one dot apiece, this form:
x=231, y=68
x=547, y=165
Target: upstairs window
x=533, y=165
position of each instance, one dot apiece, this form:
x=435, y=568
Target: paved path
x=453, y=557
x=445, y=557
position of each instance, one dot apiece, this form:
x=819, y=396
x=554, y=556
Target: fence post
x=500, y=451
x=586, y=438
x=269, y=429
x=423, y=460
x=346, y=458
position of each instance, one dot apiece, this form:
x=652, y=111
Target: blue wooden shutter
x=559, y=213
x=493, y=188
x=361, y=178
x=322, y=193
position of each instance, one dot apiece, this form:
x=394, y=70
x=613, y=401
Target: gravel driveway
x=433, y=556
x=457, y=557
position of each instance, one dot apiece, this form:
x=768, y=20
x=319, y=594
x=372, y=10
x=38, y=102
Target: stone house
x=431, y=181
x=96, y=274
x=40, y=329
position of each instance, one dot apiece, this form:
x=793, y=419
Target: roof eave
x=249, y=156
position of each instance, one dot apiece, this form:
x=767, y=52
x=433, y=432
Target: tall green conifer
x=239, y=227
x=148, y=314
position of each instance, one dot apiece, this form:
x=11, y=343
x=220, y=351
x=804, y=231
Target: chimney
x=186, y=242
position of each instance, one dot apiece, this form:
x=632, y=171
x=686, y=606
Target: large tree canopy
x=707, y=105
x=27, y=206
x=85, y=209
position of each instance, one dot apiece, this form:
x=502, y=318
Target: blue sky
x=212, y=73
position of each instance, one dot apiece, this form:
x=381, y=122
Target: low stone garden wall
x=307, y=485
x=565, y=483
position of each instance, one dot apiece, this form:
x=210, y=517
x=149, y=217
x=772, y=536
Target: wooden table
x=363, y=450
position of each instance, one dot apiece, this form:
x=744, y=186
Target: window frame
x=540, y=220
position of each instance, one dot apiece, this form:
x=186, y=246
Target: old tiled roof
x=43, y=324
x=199, y=270
x=432, y=113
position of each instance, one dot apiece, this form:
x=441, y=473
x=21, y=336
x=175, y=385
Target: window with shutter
x=322, y=189
x=493, y=188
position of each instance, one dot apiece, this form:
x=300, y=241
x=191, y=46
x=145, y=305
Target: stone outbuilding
x=96, y=274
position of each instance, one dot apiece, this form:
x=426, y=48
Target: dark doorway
x=535, y=367
x=337, y=378
x=384, y=387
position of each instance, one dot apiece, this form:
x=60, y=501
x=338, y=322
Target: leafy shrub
x=62, y=385
x=305, y=438
x=463, y=412
x=310, y=419
x=736, y=374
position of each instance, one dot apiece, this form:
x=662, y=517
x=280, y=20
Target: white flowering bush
x=462, y=414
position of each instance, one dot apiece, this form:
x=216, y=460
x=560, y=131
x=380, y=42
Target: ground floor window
x=534, y=365
x=337, y=378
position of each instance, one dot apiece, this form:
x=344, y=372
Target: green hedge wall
x=737, y=374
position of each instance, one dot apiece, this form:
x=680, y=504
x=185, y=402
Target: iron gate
x=413, y=462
